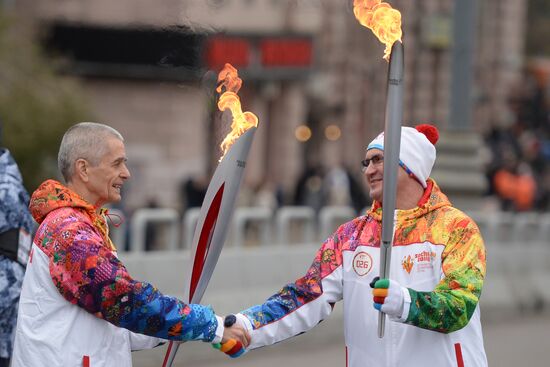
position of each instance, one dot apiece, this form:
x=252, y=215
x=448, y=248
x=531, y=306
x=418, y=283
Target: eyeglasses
x=376, y=160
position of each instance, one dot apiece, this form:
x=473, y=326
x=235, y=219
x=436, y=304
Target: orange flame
x=382, y=19
x=242, y=121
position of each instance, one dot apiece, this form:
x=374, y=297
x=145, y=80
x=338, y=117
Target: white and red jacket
x=53, y=332
x=79, y=306
x=438, y=255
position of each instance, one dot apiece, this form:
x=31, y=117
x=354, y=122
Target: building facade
x=303, y=62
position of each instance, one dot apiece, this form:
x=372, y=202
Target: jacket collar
x=432, y=199
x=52, y=195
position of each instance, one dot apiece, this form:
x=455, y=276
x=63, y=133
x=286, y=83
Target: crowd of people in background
x=519, y=168
x=316, y=187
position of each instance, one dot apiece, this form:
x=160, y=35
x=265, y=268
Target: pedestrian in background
x=15, y=239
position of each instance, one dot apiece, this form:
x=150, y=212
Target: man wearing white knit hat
x=437, y=272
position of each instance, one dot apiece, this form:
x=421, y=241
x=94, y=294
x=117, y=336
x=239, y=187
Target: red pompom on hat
x=430, y=131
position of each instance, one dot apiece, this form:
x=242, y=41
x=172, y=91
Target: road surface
x=510, y=342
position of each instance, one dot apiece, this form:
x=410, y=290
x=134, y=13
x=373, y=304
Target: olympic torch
x=219, y=202
x=392, y=140
x=385, y=22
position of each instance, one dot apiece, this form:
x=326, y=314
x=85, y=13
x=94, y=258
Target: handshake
x=235, y=337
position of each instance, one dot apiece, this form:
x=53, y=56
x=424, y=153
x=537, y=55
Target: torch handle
x=171, y=353
x=385, y=254
x=381, y=324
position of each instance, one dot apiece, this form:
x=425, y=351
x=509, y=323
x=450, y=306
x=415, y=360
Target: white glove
x=391, y=298
x=243, y=322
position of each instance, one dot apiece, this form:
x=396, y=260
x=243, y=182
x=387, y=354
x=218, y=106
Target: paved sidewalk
x=520, y=341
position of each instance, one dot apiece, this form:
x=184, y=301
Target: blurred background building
x=313, y=75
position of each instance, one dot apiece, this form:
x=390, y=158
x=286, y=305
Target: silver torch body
x=392, y=142
x=213, y=223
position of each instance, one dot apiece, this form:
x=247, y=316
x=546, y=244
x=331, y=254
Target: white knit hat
x=417, y=152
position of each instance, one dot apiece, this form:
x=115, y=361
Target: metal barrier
x=190, y=220
x=539, y=268
x=245, y=215
x=142, y=217
x=330, y=217
x=526, y=227
x=544, y=235
x=287, y=214
x=517, y=275
x=507, y=228
x=500, y=228
x=518, y=249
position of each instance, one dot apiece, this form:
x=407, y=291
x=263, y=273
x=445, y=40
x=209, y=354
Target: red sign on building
x=222, y=50
x=288, y=53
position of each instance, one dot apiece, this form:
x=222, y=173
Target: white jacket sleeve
x=140, y=341
x=301, y=305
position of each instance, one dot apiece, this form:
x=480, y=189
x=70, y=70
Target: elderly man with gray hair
x=79, y=306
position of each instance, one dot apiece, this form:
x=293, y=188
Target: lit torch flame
x=382, y=19
x=242, y=121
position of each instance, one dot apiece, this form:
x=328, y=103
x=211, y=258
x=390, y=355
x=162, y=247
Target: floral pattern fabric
x=451, y=304
x=304, y=290
x=11, y=280
x=87, y=273
x=14, y=214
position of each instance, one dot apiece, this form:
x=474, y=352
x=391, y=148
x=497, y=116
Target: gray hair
x=84, y=140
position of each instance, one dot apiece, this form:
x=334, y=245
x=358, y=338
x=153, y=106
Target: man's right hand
x=235, y=338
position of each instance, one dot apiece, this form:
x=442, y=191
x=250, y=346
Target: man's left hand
x=388, y=296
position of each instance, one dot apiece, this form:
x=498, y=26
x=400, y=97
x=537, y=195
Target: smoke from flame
x=382, y=19
x=229, y=79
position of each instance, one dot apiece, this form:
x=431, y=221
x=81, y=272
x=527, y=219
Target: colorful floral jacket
x=74, y=270
x=438, y=254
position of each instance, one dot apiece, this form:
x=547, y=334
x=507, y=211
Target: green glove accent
x=217, y=346
x=382, y=283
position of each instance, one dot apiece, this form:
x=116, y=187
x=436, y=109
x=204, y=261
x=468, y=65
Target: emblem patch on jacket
x=407, y=264
x=362, y=263
x=423, y=260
